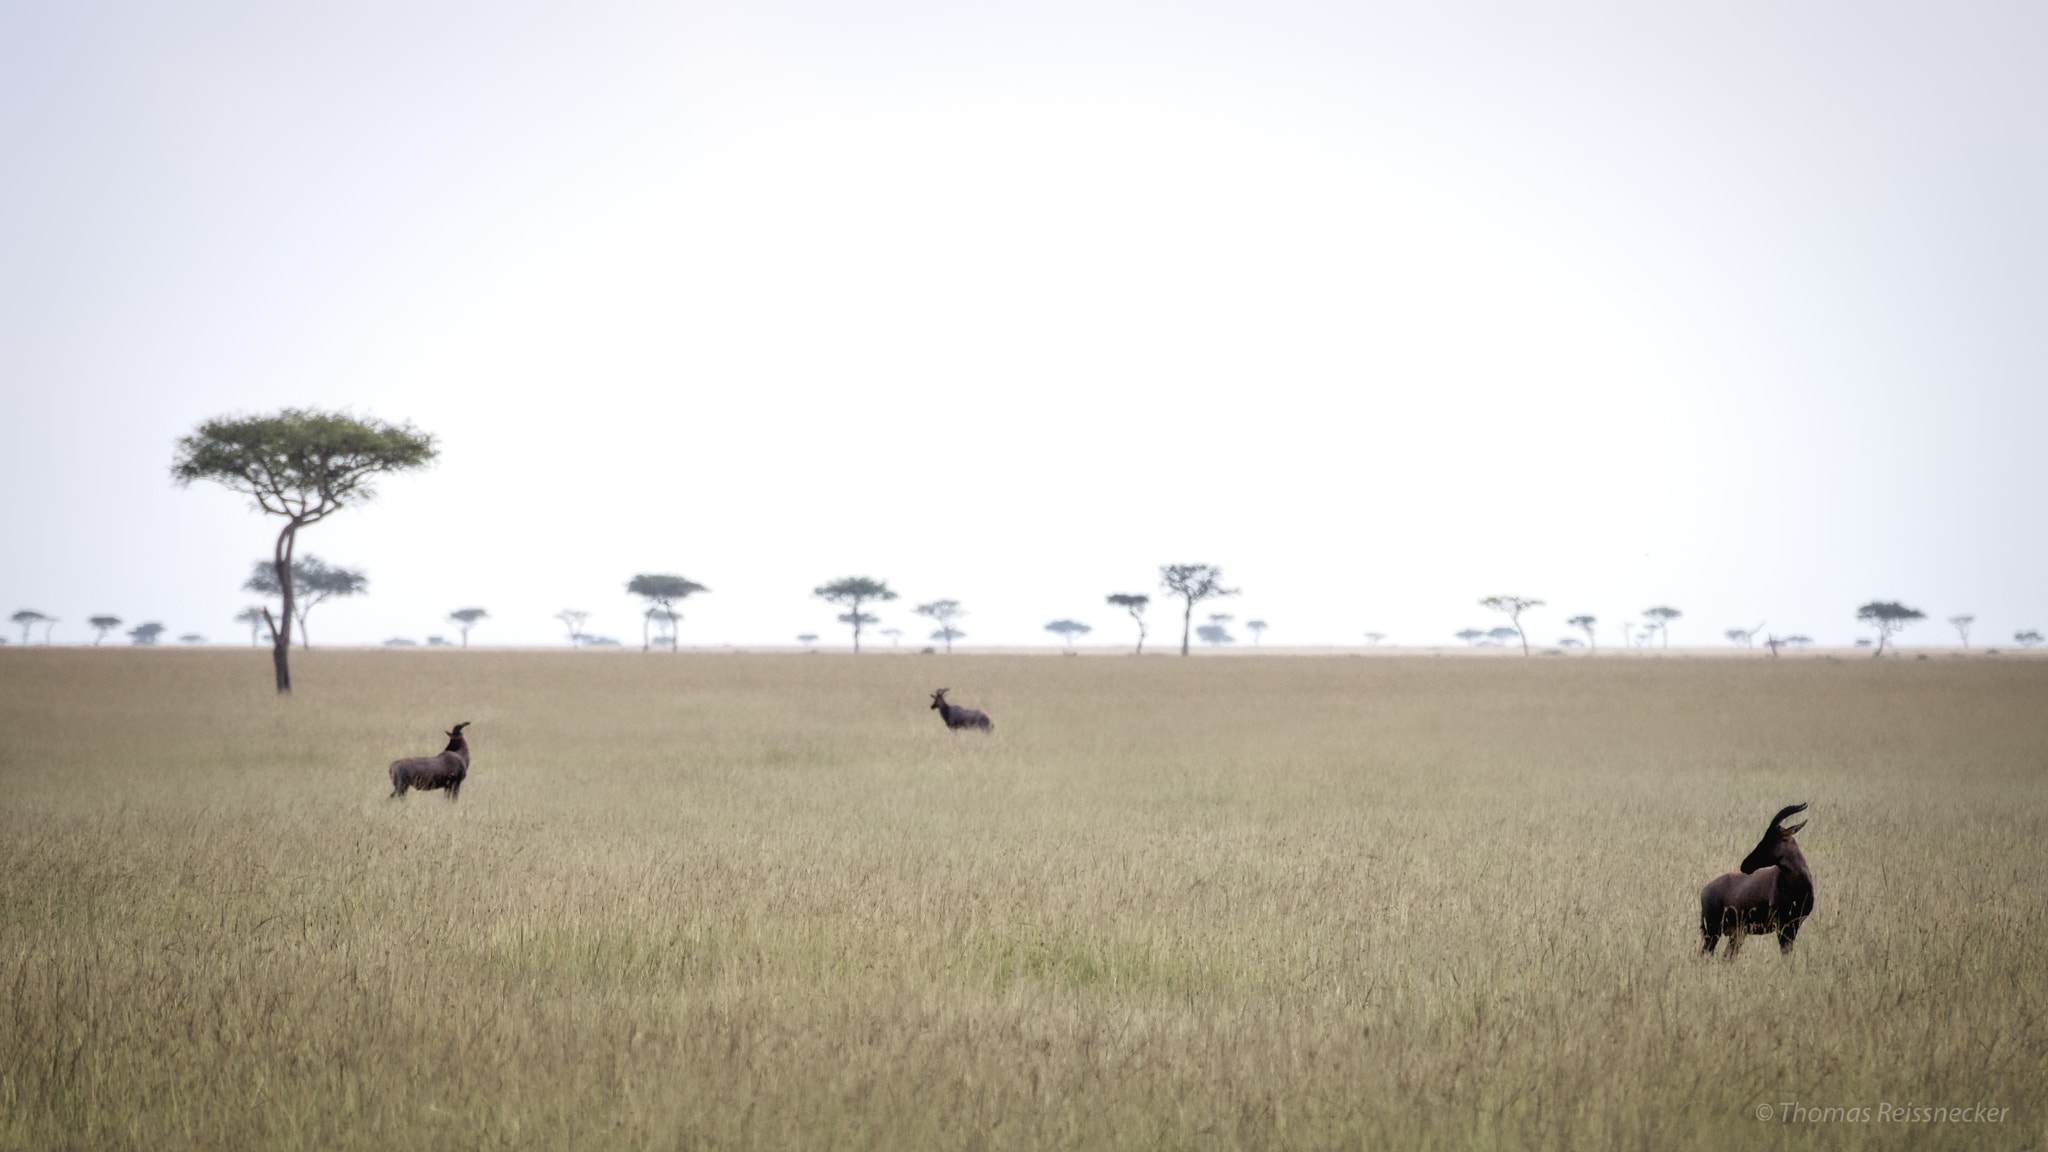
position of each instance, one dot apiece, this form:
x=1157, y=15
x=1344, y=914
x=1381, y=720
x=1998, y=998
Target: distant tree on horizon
x=101, y=626
x=253, y=617
x=1743, y=636
x=662, y=590
x=191, y=638
x=1471, y=636
x=1500, y=637
x=29, y=618
x=895, y=636
x=1193, y=583
x=850, y=592
x=573, y=618
x=807, y=639
x=145, y=633
x=464, y=619
x=1258, y=628
x=1134, y=603
x=301, y=464
x=1068, y=630
x=316, y=582
x=1888, y=617
x=943, y=613
x=1374, y=638
x=1585, y=624
x=2027, y=638
x=947, y=635
x=1513, y=606
x=1215, y=635
x=1962, y=626
x=1661, y=617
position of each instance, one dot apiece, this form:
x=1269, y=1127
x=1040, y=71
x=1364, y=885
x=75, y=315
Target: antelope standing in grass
x=1772, y=893
x=958, y=717
x=428, y=773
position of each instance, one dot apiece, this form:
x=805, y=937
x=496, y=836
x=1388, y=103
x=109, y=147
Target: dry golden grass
x=767, y=901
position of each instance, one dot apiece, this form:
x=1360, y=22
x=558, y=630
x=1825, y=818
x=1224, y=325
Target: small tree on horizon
x=1514, y=606
x=807, y=639
x=1743, y=636
x=1962, y=626
x=943, y=613
x=464, y=619
x=316, y=582
x=1471, y=636
x=895, y=636
x=1585, y=624
x=661, y=590
x=947, y=635
x=145, y=633
x=573, y=618
x=252, y=616
x=1661, y=618
x=2026, y=638
x=1888, y=617
x=301, y=464
x=1258, y=628
x=1500, y=636
x=1134, y=603
x=29, y=618
x=1374, y=638
x=1067, y=630
x=1215, y=635
x=101, y=626
x=1193, y=583
x=851, y=592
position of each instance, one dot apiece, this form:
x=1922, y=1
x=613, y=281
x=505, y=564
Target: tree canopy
x=850, y=592
x=314, y=582
x=304, y=465
x=464, y=619
x=661, y=590
x=1514, y=606
x=101, y=626
x=1193, y=583
x=1661, y=618
x=1888, y=617
x=1068, y=630
x=1134, y=603
x=944, y=613
x=29, y=618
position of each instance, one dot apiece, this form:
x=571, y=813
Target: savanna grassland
x=767, y=901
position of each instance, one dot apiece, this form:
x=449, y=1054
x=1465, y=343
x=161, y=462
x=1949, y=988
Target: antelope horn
x=1784, y=812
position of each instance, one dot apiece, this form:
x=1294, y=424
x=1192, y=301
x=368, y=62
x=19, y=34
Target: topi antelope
x=958, y=717
x=1772, y=893
x=427, y=773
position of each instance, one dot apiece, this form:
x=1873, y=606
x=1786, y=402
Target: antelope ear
x=1794, y=830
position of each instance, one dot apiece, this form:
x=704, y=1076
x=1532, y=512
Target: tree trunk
x=646, y=622
x=856, y=628
x=281, y=629
x=1187, y=621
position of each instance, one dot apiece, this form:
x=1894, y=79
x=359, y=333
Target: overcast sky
x=1737, y=307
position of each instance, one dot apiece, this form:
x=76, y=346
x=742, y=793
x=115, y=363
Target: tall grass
x=759, y=901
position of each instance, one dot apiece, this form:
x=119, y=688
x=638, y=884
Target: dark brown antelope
x=428, y=773
x=958, y=717
x=1772, y=893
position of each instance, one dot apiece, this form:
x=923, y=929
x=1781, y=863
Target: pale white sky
x=1383, y=307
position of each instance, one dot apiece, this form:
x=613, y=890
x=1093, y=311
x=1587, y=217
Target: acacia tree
x=1661, y=618
x=1514, y=606
x=850, y=593
x=2026, y=638
x=573, y=618
x=253, y=617
x=314, y=580
x=1888, y=617
x=1470, y=636
x=1193, y=583
x=1215, y=634
x=1962, y=626
x=895, y=636
x=301, y=464
x=1585, y=624
x=464, y=619
x=1067, y=630
x=661, y=591
x=102, y=625
x=1374, y=638
x=948, y=635
x=1134, y=604
x=1500, y=637
x=808, y=639
x=1258, y=628
x=943, y=613
x=29, y=618
x=146, y=633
